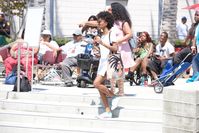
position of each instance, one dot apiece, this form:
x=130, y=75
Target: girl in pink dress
x=122, y=28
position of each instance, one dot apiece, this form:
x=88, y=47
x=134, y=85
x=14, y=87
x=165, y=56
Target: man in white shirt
x=72, y=49
x=164, y=52
x=182, y=29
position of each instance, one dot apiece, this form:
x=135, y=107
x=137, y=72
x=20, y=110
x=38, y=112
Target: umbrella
x=194, y=7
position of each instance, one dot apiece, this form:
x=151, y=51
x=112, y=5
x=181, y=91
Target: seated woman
x=25, y=56
x=47, y=44
x=143, y=52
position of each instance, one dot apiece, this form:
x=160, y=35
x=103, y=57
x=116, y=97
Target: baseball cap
x=184, y=18
x=46, y=32
x=77, y=32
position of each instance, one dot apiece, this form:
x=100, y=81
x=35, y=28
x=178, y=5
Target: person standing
x=105, y=23
x=122, y=28
x=195, y=50
x=182, y=29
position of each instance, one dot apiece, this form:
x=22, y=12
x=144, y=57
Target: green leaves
x=13, y=7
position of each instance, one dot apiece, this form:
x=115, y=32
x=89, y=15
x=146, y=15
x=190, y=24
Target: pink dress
x=124, y=48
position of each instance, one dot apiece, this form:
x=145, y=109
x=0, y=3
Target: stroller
x=170, y=74
x=88, y=66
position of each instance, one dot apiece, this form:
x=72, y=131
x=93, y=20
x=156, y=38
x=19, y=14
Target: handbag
x=24, y=85
x=132, y=41
x=115, y=68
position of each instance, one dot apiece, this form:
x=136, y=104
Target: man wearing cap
x=182, y=29
x=72, y=49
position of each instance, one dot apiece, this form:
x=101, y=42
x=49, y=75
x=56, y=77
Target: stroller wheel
x=4, y=73
x=158, y=88
x=83, y=84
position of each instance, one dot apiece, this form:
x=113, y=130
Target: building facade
x=63, y=16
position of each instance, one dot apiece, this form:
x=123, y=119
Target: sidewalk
x=55, y=89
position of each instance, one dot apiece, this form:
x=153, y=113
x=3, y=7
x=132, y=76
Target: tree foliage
x=13, y=8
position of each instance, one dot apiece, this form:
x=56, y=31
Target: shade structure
x=192, y=7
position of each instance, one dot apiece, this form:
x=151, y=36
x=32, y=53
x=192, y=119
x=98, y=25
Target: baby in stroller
x=88, y=65
x=88, y=62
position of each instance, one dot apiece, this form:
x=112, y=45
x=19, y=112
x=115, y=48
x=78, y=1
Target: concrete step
x=88, y=98
x=80, y=121
x=9, y=127
x=3, y=95
x=80, y=108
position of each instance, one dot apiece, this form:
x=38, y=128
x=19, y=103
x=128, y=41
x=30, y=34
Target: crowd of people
x=109, y=32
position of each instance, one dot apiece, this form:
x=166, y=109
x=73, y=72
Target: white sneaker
x=115, y=102
x=105, y=115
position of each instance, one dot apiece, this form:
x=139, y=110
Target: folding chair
x=49, y=62
x=4, y=53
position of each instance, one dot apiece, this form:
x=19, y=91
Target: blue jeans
x=195, y=63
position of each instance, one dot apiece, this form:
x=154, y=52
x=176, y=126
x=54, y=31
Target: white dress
x=103, y=63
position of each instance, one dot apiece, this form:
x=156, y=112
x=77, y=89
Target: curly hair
x=92, y=17
x=104, y=15
x=148, y=38
x=120, y=13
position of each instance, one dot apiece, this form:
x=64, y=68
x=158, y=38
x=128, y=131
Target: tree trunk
x=169, y=17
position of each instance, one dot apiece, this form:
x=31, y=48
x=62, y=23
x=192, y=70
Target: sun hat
x=46, y=32
x=77, y=32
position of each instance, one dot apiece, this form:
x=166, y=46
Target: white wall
x=70, y=13
x=144, y=14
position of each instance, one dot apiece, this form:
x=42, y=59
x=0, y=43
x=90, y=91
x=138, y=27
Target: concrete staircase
x=64, y=110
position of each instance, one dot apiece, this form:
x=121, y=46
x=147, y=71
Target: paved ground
x=56, y=89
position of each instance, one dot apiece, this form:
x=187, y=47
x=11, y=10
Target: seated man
x=164, y=52
x=72, y=49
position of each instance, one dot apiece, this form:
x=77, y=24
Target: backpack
x=24, y=85
x=12, y=77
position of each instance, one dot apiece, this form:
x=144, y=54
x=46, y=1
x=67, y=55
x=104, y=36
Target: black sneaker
x=69, y=84
x=129, y=75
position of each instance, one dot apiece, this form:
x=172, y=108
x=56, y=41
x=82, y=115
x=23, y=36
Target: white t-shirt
x=166, y=50
x=72, y=49
x=103, y=64
x=182, y=30
x=43, y=48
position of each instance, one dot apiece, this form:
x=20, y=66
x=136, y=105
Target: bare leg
x=113, y=85
x=154, y=75
x=121, y=87
x=137, y=63
x=144, y=65
x=103, y=90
